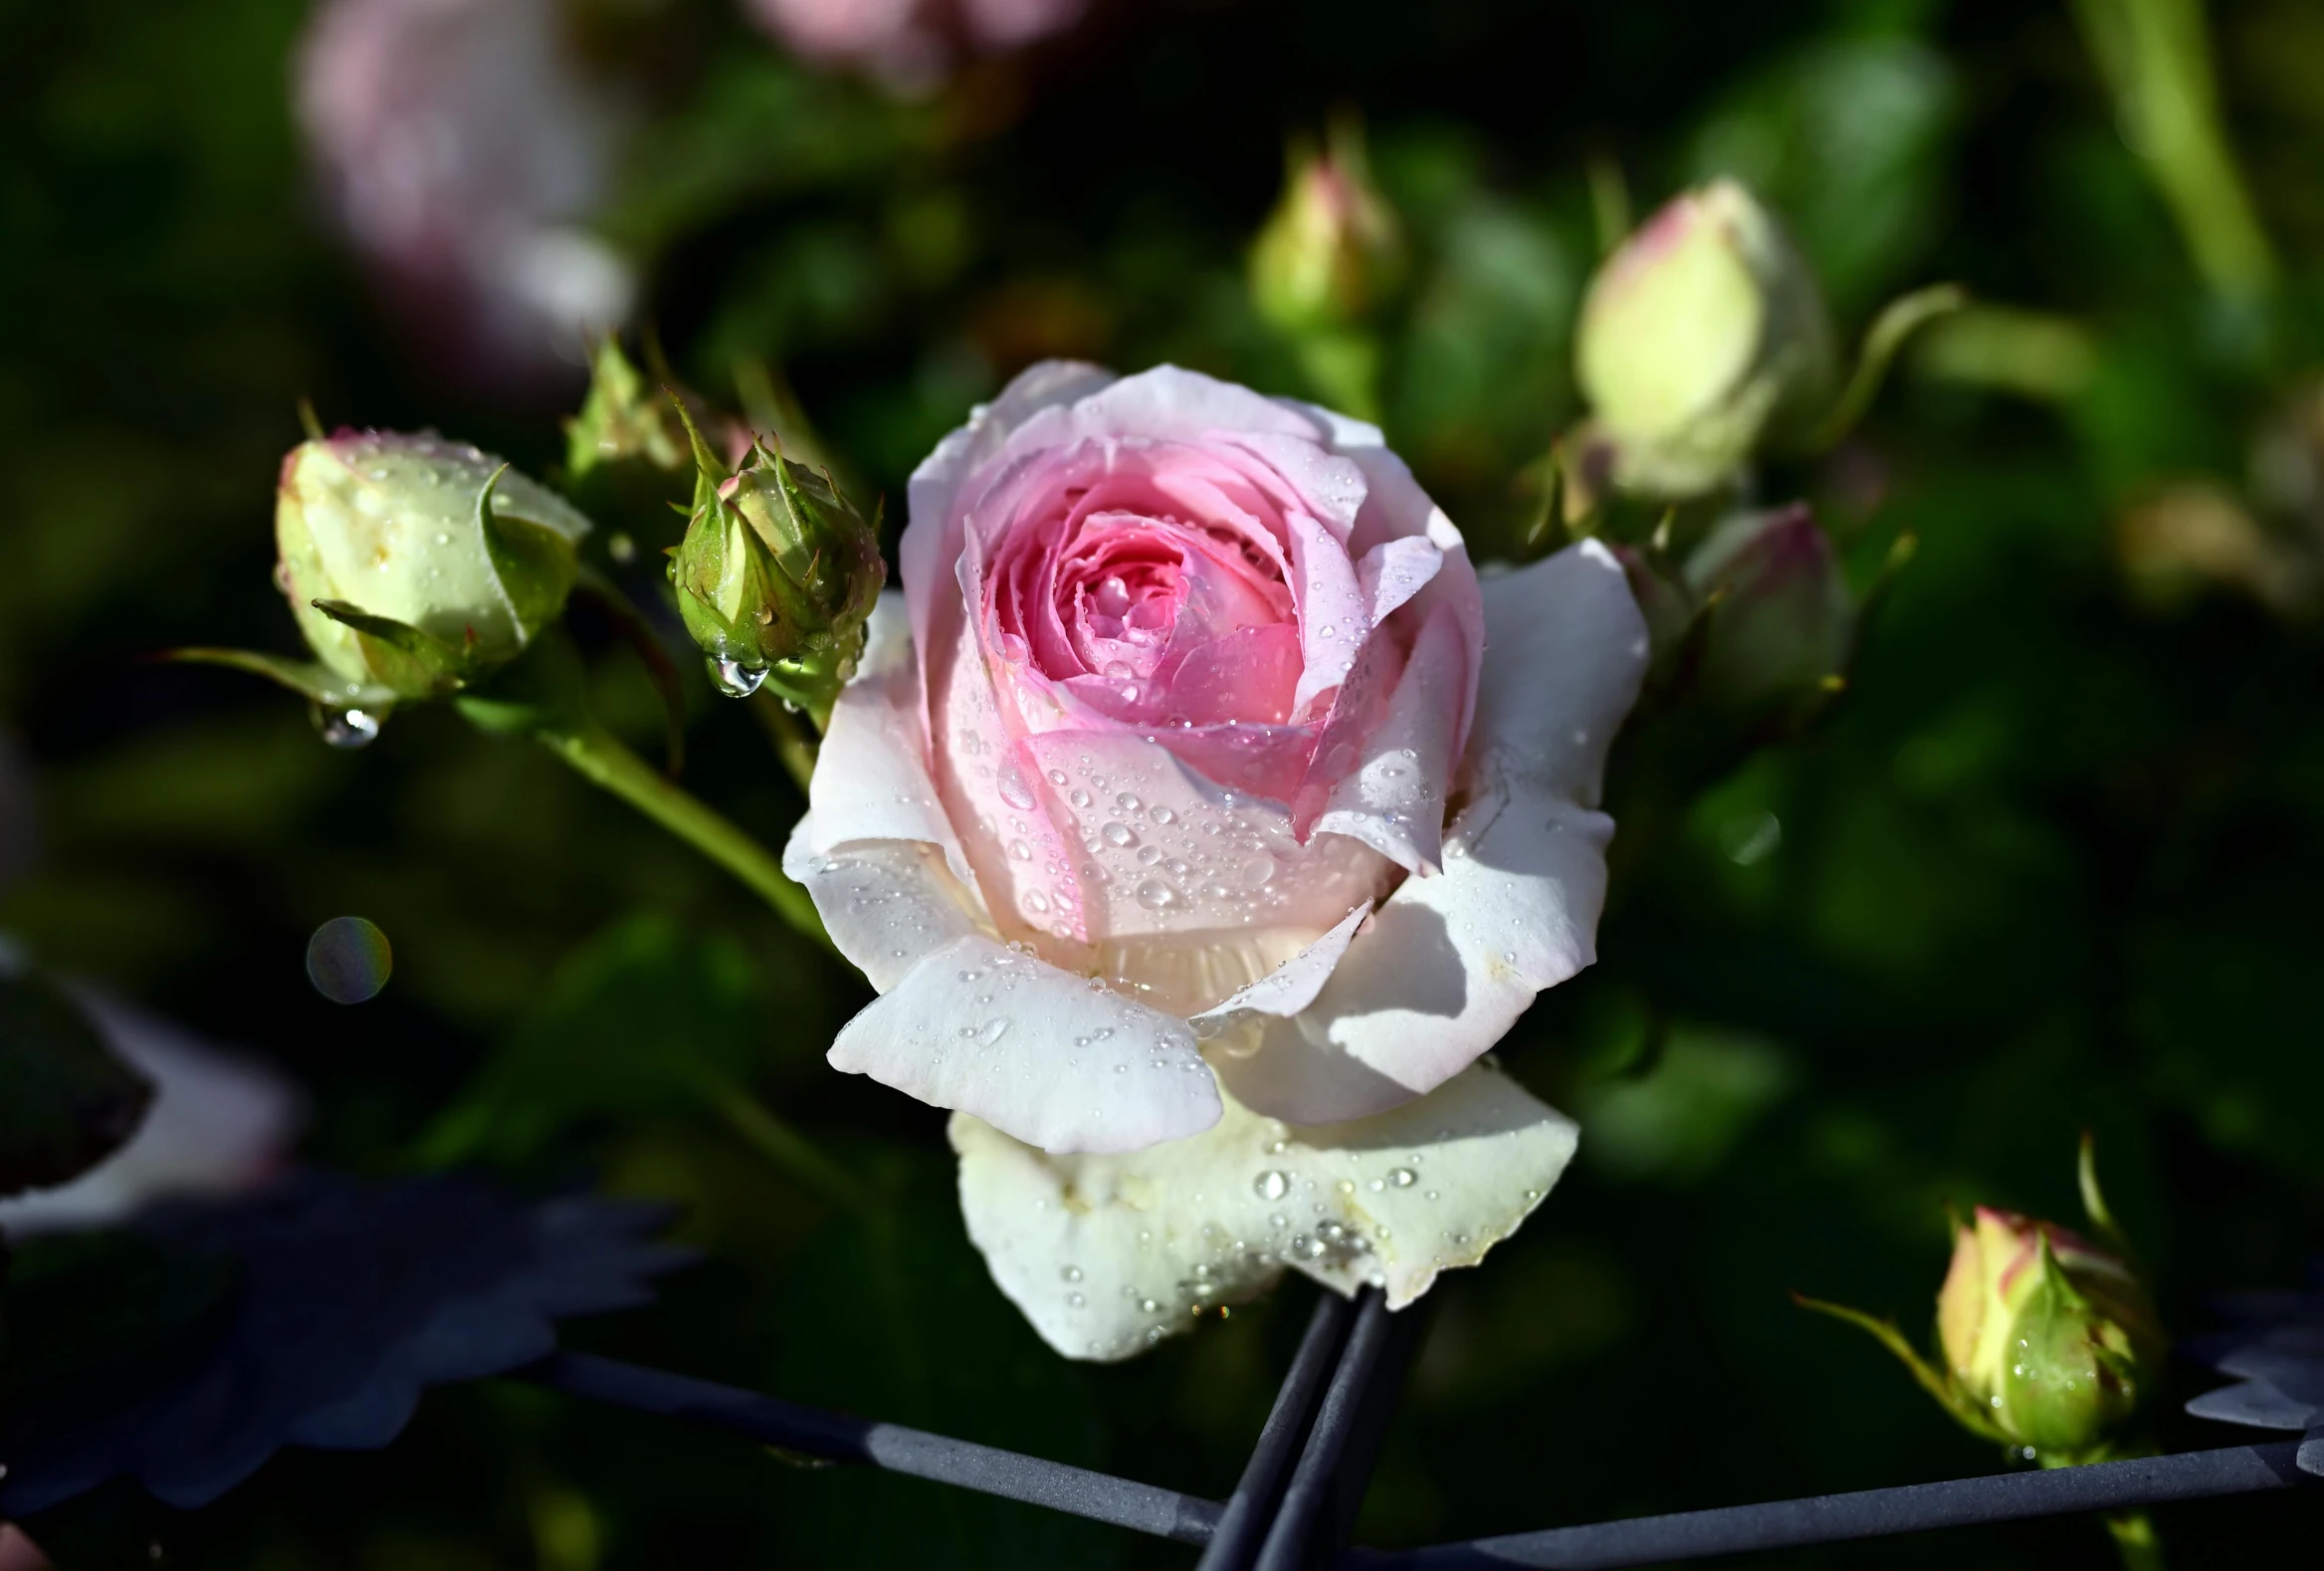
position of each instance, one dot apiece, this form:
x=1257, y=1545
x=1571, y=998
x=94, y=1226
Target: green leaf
x=66, y=1102
x=309, y=678
x=1935, y=1382
x=646, y=1018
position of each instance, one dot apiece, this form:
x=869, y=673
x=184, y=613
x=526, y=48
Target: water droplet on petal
x=1271, y=1185
x=1403, y=1178
x=1119, y=835
x=1011, y=783
x=1156, y=895
x=994, y=1030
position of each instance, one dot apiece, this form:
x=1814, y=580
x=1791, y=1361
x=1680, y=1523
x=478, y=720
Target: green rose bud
x=2046, y=1342
x=777, y=576
x=2048, y=1335
x=417, y=565
x=1702, y=337
x=1332, y=251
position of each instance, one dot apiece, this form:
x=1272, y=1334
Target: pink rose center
x=1154, y=591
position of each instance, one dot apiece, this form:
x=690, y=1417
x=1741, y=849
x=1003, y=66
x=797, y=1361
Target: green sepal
x=309, y=678
x=1935, y=1382
x=534, y=563
x=66, y=1101
x=416, y=663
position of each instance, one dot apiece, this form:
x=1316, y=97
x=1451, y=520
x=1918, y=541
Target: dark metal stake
x=1868, y=1514
x=1250, y=1511
x=1101, y=1497
x=1310, y=1495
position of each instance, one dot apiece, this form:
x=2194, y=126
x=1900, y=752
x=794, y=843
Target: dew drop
x=346, y=728
x=1020, y=850
x=1013, y=788
x=1128, y=801
x=1258, y=872
x=736, y=679
x=1071, y=1273
x=1403, y=1178
x=1119, y=835
x=1271, y=1185
x=1163, y=816
x=994, y=1030
x=1156, y=895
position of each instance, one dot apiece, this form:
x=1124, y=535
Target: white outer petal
x=871, y=779
x=1106, y=1255
x=1036, y=1052
x=1450, y=963
x=1394, y=801
x=885, y=903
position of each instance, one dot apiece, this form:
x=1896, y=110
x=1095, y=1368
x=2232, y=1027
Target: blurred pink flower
x=909, y=43
x=462, y=146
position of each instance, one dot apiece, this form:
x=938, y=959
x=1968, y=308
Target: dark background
x=2053, y=864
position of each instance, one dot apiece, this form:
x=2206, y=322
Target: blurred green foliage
x=2051, y=864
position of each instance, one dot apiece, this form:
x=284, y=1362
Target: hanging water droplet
x=1271, y=1185
x=346, y=728
x=734, y=679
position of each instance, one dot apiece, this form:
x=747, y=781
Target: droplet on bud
x=736, y=679
x=345, y=728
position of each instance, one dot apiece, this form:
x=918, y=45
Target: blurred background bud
x=910, y=45
x=775, y=577
x=1704, y=335
x=418, y=564
x=1779, y=620
x=2198, y=536
x=622, y=420
x=2051, y=1336
x=1331, y=253
x=463, y=148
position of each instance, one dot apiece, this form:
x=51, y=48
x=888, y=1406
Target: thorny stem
x=601, y=759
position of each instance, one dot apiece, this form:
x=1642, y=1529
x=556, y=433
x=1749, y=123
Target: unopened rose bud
x=1704, y=336
x=418, y=566
x=2048, y=1335
x=1779, y=618
x=2046, y=1342
x=1332, y=251
x=775, y=577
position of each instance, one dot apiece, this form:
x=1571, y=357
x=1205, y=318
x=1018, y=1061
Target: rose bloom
x=1202, y=819
x=909, y=43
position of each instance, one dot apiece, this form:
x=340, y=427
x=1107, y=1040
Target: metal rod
x=1868, y=1514
x=1141, y=1507
x=1250, y=1509
x=1309, y=1495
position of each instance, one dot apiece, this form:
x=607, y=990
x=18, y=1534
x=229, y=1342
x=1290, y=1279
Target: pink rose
x=463, y=148
x=909, y=43
x=1194, y=757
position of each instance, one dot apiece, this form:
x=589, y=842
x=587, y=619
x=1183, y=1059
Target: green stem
x=785, y=1147
x=2135, y=1537
x=2156, y=58
x=604, y=760
x=793, y=745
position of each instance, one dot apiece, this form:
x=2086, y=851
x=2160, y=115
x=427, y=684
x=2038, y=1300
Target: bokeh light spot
x=348, y=960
